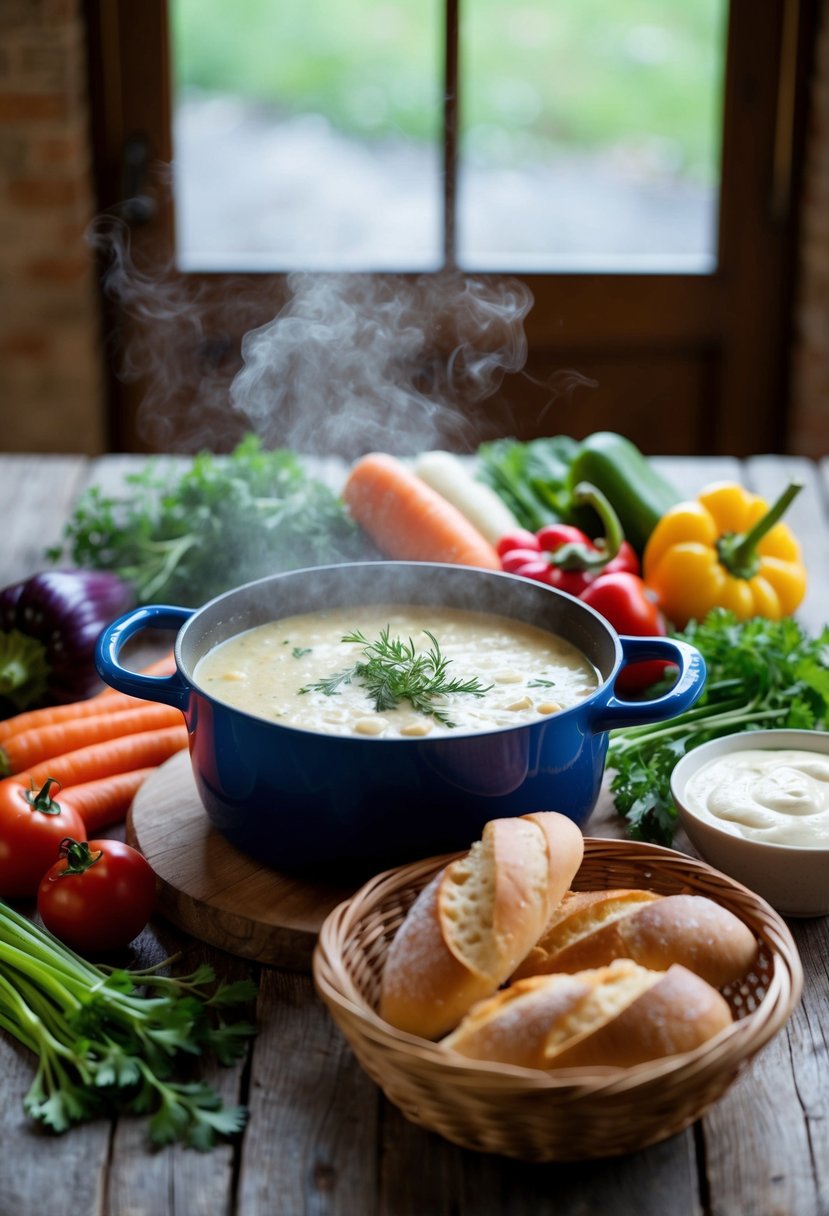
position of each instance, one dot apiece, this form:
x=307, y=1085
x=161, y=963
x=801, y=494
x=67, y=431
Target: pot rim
x=530, y=587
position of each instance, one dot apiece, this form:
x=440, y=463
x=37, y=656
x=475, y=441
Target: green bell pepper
x=638, y=493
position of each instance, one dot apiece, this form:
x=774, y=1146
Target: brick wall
x=809, y=425
x=51, y=381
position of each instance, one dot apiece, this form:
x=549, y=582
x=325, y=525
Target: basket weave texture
x=569, y=1114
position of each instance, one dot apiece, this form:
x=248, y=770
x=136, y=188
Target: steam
x=170, y=334
x=348, y=364
x=354, y=364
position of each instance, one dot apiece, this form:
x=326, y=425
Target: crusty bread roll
x=614, y=1016
x=511, y=1027
x=591, y=928
x=475, y=921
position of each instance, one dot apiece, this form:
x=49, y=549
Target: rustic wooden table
x=320, y=1136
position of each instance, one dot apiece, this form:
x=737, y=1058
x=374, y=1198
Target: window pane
x=590, y=135
x=307, y=134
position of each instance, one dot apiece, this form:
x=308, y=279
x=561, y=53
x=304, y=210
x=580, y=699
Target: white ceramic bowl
x=792, y=878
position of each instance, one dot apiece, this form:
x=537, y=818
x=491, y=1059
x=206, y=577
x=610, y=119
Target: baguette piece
x=591, y=928
x=476, y=920
x=615, y=1016
x=512, y=1026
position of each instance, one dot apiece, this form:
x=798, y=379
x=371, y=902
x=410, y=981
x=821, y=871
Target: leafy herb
x=299, y=652
x=541, y=683
x=183, y=537
x=392, y=671
x=109, y=1040
x=532, y=478
x=761, y=673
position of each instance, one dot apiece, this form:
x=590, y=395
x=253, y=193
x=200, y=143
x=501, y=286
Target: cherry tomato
x=32, y=826
x=516, y=538
x=98, y=896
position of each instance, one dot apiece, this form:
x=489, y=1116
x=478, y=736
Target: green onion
x=108, y=1040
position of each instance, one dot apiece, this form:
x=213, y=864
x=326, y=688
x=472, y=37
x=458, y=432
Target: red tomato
x=32, y=826
x=98, y=896
x=516, y=538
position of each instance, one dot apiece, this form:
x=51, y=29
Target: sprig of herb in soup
x=392, y=670
x=522, y=673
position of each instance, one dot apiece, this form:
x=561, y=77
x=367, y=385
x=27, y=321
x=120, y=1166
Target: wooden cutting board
x=214, y=892
x=221, y=896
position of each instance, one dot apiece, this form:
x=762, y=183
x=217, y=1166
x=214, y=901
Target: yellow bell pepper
x=728, y=550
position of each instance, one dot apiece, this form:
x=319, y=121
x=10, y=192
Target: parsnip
x=454, y=481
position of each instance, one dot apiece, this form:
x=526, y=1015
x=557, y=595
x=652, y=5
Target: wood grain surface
x=210, y=889
x=320, y=1136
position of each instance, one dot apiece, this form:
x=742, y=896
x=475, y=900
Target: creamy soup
x=408, y=671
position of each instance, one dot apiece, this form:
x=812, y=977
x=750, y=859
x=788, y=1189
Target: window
x=590, y=135
x=683, y=332
x=307, y=134
x=310, y=134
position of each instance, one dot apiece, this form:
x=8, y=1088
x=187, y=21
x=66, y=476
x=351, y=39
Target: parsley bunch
x=761, y=674
x=392, y=670
x=110, y=1041
x=183, y=536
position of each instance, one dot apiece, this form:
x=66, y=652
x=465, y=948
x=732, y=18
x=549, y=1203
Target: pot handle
x=170, y=690
x=687, y=689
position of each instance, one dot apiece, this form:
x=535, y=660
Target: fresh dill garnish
x=541, y=683
x=392, y=670
x=299, y=652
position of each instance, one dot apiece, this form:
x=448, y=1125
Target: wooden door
x=681, y=363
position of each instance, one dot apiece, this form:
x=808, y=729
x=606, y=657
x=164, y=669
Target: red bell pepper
x=563, y=556
x=623, y=599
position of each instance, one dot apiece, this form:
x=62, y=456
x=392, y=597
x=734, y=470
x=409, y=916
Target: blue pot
x=308, y=802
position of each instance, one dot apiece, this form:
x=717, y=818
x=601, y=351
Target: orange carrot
x=109, y=701
x=120, y=755
x=106, y=801
x=409, y=520
x=32, y=746
x=49, y=715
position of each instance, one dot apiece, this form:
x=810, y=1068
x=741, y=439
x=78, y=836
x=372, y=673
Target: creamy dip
x=778, y=795
x=524, y=673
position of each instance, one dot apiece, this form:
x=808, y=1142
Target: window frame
x=722, y=337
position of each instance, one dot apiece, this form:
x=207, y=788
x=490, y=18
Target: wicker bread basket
x=571, y=1114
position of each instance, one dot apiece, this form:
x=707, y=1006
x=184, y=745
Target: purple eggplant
x=49, y=625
